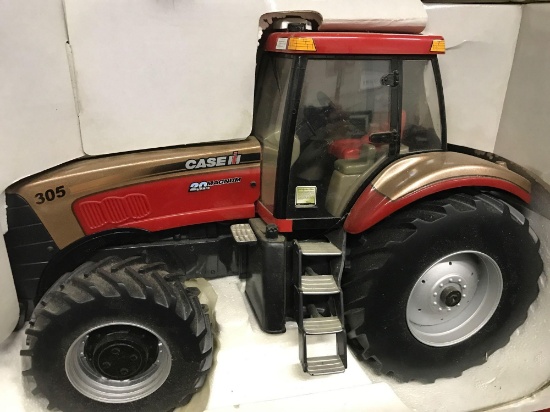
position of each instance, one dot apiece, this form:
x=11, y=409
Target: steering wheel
x=319, y=116
x=324, y=100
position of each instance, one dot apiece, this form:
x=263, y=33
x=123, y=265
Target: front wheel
x=438, y=286
x=116, y=336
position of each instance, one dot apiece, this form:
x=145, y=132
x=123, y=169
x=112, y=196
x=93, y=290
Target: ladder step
x=243, y=233
x=322, y=326
x=319, y=249
x=325, y=365
x=319, y=285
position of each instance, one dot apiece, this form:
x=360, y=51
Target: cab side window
x=420, y=119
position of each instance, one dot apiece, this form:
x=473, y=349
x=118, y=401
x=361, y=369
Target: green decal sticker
x=306, y=196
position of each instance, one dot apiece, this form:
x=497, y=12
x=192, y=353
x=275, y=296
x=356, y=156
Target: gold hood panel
x=51, y=194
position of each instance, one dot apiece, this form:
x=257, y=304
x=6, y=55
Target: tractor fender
x=414, y=177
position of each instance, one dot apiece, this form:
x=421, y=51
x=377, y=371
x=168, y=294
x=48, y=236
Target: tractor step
x=319, y=306
x=319, y=285
x=319, y=249
x=322, y=325
x=243, y=234
x=325, y=365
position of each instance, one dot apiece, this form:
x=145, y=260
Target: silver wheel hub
x=454, y=298
x=89, y=372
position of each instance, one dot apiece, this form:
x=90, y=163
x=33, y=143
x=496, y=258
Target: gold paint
x=92, y=175
x=417, y=171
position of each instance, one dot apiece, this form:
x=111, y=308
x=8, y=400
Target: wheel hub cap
x=119, y=361
x=121, y=352
x=451, y=296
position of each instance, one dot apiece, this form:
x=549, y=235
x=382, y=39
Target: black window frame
x=287, y=118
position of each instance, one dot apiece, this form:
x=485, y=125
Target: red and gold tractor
x=345, y=211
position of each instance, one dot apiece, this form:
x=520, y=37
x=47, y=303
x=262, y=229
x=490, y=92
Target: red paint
x=284, y=225
x=113, y=209
x=372, y=207
x=358, y=43
x=167, y=203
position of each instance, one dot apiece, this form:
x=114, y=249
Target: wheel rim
x=118, y=363
x=454, y=298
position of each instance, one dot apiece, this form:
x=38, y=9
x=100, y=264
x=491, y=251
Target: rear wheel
x=438, y=286
x=116, y=335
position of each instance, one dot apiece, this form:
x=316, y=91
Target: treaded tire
x=387, y=261
x=116, y=293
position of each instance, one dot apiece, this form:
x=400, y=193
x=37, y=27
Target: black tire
x=387, y=262
x=156, y=329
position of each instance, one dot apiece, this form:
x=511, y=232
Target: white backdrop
x=131, y=95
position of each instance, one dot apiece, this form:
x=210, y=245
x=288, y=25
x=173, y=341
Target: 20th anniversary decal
x=206, y=185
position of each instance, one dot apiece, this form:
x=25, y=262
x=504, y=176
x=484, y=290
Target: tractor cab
x=333, y=109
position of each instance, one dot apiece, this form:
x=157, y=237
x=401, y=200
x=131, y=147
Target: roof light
x=301, y=44
x=438, y=46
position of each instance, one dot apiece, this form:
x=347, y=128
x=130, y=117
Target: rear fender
x=415, y=177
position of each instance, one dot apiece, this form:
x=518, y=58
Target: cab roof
x=354, y=43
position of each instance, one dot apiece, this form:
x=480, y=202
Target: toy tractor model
x=344, y=211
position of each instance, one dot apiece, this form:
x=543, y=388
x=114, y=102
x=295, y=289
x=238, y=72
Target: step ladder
x=319, y=304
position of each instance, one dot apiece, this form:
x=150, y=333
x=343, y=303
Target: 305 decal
x=50, y=195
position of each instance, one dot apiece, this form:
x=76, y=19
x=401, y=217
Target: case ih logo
x=208, y=162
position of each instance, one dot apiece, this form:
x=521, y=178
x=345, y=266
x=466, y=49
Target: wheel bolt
x=133, y=358
x=435, y=293
x=124, y=371
x=106, y=365
x=441, y=285
x=435, y=303
x=115, y=351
